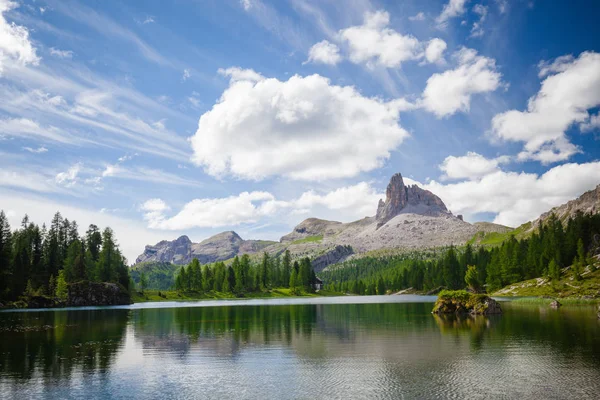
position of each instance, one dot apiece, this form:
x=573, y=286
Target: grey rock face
x=334, y=256
x=219, y=247
x=407, y=199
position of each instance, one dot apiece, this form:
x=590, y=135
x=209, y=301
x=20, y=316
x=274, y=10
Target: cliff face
x=182, y=250
x=407, y=199
x=587, y=203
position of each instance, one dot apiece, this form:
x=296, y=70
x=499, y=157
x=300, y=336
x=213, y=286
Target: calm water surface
x=388, y=347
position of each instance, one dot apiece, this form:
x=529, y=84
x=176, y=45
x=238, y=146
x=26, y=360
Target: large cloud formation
x=571, y=87
x=14, y=40
x=304, y=128
x=450, y=91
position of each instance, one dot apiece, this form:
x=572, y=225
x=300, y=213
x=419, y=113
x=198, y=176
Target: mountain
x=219, y=247
x=587, y=203
x=409, y=218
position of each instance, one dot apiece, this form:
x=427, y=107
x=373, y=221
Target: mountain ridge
x=409, y=218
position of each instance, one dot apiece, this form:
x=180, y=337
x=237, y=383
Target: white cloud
x=149, y=20
x=450, y=91
x=15, y=46
x=324, y=52
x=247, y=207
x=238, y=74
x=69, y=177
x=353, y=202
x=61, y=53
x=434, y=52
x=374, y=43
x=516, y=198
x=502, y=6
x=40, y=149
x=477, y=29
x=346, y=203
x=420, y=16
x=246, y=4
x=571, y=87
x=591, y=124
x=454, y=8
x=24, y=179
x=303, y=128
x=186, y=74
x=470, y=166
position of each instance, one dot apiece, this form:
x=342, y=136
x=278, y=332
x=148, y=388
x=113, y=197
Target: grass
x=171, y=295
x=563, y=301
x=309, y=239
x=565, y=287
x=496, y=238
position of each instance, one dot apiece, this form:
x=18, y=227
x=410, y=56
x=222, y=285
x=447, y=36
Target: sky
x=196, y=117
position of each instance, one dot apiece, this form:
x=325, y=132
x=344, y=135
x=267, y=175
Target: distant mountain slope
x=409, y=218
x=182, y=250
x=587, y=203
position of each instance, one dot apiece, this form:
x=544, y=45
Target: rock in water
x=463, y=302
x=412, y=199
x=96, y=294
x=555, y=304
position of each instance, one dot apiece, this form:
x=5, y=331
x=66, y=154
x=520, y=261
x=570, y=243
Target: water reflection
x=287, y=351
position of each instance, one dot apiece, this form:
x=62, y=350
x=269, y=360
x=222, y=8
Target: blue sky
x=204, y=116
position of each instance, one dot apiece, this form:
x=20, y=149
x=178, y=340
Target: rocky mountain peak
x=400, y=198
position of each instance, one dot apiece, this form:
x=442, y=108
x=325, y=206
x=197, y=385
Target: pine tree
x=293, y=281
x=286, y=268
x=61, y=286
x=472, y=279
x=5, y=254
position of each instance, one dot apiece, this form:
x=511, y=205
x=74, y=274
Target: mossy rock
x=463, y=302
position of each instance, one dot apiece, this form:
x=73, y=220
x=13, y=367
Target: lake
x=371, y=347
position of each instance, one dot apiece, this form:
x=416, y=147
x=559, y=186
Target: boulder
x=555, y=304
x=97, y=294
x=462, y=302
x=44, y=302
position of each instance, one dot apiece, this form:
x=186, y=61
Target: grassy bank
x=563, y=301
x=566, y=287
x=153, y=295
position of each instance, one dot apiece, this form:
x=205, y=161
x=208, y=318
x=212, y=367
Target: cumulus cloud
x=15, y=46
x=68, y=178
x=434, y=52
x=324, y=52
x=516, y=198
x=246, y=4
x=591, y=124
x=450, y=91
x=470, y=166
x=247, y=207
x=453, y=9
x=354, y=202
x=186, y=74
x=346, y=203
x=303, y=128
x=570, y=89
x=477, y=29
x=376, y=44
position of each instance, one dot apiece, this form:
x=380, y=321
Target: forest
x=42, y=261
x=239, y=276
x=552, y=247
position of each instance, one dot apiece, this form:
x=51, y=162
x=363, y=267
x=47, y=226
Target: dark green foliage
x=241, y=276
x=548, y=250
x=36, y=261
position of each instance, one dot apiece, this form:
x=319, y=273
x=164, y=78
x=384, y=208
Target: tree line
x=552, y=247
x=42, y=260
x=244, y=276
